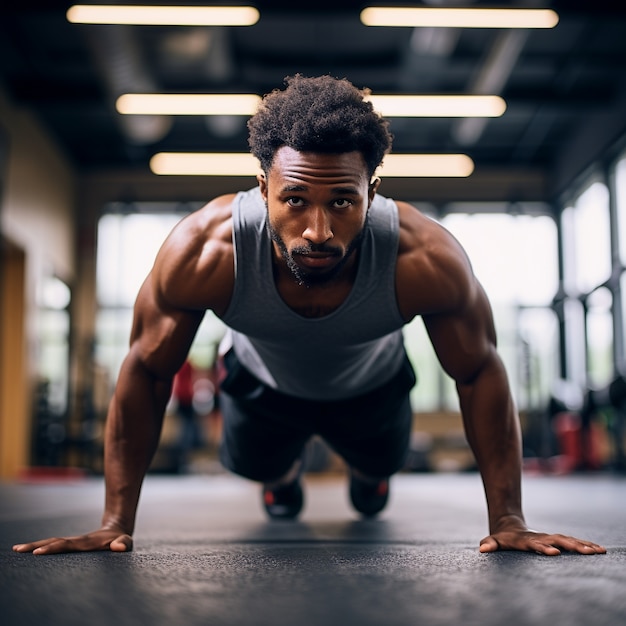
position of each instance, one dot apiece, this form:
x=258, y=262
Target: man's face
x=317, y=206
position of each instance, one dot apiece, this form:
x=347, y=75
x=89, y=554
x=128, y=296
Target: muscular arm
x=465, y=345
x=160, y=340
x=435, y=279
x=192, y=273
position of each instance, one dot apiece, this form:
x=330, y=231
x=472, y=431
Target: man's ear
x=262, y=180
x=373, y=188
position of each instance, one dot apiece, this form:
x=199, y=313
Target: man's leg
x=369, y=482
x=256, y=448
x=263, y=439
x=371, y=433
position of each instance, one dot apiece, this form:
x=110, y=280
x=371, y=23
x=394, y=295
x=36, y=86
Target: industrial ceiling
x=565, y=87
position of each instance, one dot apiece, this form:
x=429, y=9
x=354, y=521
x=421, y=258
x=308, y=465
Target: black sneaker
x=284, y=501
x=368, y=498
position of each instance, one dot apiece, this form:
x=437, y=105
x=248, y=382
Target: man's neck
x=318, y=299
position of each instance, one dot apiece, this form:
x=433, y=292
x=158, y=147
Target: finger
x=572, y=544
x=541, y=547
x=56, y=546
x=22, y=547
x=489, y=544
x=123, y=543
x=33, y=545
x=597, y=546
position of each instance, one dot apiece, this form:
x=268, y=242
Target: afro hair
x=319, y=114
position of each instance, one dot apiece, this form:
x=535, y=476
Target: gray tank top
x=354, y=349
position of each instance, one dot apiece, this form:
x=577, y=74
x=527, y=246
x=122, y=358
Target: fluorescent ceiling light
x=163, y=15
x=246, y=104
x=426, y=165
x=187, y=104
x=244, y=164
x=205, y=164
x=438, y=106
x=459, y=18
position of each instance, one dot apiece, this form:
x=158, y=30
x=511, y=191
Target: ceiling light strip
x=459, y=18
x=438, y=106
x=204, y=164
x=426, y=165
x=163, y=15
x=187, y=104
x=246, y=104
x=244, y=164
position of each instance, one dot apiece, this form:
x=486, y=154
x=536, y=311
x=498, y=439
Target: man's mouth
x=316, y=260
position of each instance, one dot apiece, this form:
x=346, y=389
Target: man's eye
x=342, y=203
x=295, y=202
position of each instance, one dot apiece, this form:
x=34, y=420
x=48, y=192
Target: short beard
x=306, y=279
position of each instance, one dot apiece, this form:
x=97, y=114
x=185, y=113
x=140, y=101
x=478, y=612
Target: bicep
x=161, y=334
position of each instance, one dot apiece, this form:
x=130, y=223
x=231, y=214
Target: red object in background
x=182, y=388
x=578, y=452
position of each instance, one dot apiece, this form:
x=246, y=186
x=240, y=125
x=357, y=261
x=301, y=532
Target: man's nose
x=318, y=228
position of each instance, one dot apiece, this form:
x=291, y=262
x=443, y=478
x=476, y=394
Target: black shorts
x=265, y=431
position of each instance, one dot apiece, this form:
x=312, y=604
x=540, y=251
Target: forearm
x=493, y=432
x=132, y=434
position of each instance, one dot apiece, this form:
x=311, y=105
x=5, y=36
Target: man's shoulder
x=210, y=223
x=418, y=232
x=242, y=206
x=216, y=218
x=218, y=207
x=432, y=267
x=194, y=267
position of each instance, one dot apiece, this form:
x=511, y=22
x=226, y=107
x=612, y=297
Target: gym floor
x=206, y=554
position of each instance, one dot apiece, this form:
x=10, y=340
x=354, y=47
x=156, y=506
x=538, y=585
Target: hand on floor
x=513, y=535
x=112, y=539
